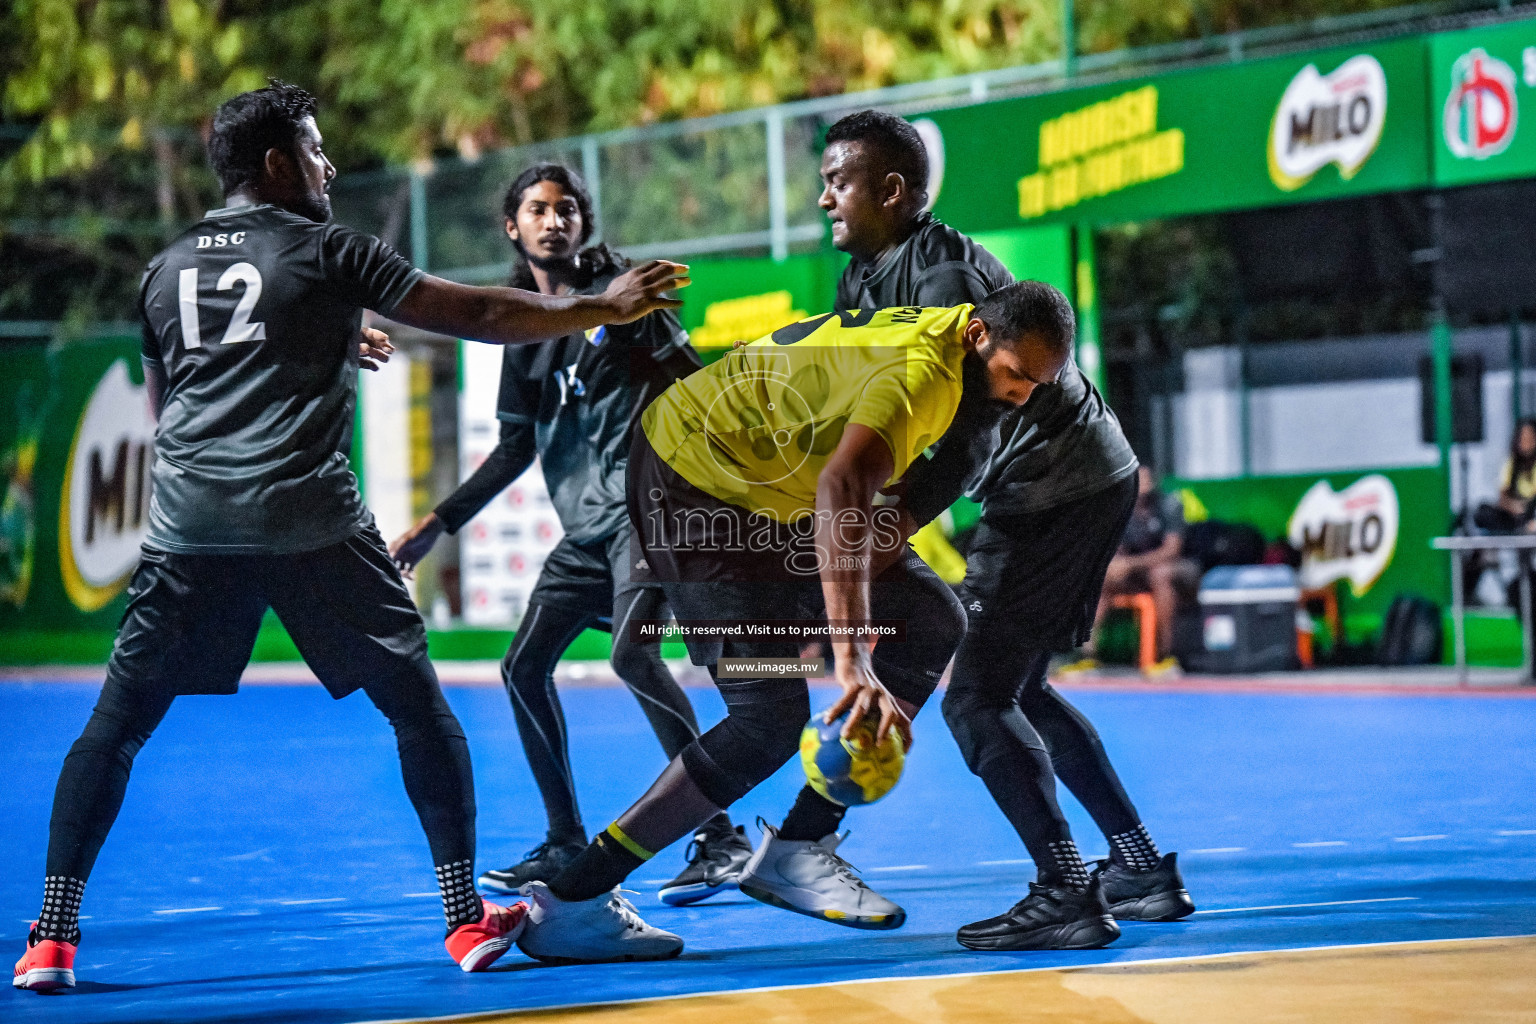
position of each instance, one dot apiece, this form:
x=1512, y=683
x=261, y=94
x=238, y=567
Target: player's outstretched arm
x=511, y=316
x=845, y=541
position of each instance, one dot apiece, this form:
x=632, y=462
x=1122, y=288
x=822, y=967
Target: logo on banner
x=933, y=145
x=1328, y=119
x=1346, y=535
x=1481, y=111
x=104, y=510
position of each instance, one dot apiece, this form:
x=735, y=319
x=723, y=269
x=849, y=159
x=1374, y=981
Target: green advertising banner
x=1380, y=547
x=76, y=446
x=1478, y=80
x=1334, y=122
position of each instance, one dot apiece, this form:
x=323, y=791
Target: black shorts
x=192, y=620
x=593, y=578
x=1035, y=578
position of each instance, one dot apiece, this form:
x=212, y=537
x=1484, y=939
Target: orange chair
x=1145, y=611
x=1329, y=596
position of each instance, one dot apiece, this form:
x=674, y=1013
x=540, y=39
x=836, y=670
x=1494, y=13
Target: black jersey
x=1064, y=443
x=254, y=314
x=575, y=402
x=935, y=266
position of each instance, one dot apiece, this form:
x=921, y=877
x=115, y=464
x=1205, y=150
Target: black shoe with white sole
x=539, y=864
x=716, y=858
x=1050, y=917
x=1157, y=894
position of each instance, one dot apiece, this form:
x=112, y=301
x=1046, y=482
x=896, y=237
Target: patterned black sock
x=1134, y=849
x=1066, y=868
x=461, y=903
x=59, y=919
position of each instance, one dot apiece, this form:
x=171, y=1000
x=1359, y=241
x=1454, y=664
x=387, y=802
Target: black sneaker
x=1157, y=894
x=716, y=858
x=539, y=864
x=1050, y=917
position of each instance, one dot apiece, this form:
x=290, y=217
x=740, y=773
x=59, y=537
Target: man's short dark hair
x=893, y=142
x=1029, y=308
x=248, y=125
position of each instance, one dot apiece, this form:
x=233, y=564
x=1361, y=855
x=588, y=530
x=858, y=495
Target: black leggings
x=1018, y=734
x=529, y=674
x=434, y=760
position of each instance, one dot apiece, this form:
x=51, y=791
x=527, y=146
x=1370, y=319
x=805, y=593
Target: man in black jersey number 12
x=250, y=326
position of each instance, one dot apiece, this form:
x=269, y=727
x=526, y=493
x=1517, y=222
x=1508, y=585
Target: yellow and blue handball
x=855, y=770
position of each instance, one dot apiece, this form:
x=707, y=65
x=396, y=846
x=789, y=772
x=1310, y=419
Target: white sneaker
x=811, y=879
x=605, y=929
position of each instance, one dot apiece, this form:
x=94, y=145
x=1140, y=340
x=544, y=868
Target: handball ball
x=851, y=771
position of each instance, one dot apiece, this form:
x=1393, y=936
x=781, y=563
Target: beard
x=314, y=205
x=548, y=264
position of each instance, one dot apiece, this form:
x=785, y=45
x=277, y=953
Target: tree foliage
x=105, y=102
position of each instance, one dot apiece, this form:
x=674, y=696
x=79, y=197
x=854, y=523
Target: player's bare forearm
x=845, y=492
x=512, y=316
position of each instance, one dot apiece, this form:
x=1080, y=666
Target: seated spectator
x=1517, y=486
x=1151, y=560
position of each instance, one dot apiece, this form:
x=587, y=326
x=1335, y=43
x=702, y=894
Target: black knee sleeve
x=761, y=731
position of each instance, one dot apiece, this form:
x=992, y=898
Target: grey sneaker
x=811, y=879
x=603, y=930
x=716, y=858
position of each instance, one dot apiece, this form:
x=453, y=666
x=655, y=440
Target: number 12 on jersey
x=240, y=328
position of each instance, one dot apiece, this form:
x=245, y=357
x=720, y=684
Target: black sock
x=606, y=862
x=812, y=817
x=567, y=836
x=59, y=919
x=1134, y=849
x=720, y=824
x=461, y=903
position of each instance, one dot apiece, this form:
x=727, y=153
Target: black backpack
x=1411, y=633
x=1213, y=543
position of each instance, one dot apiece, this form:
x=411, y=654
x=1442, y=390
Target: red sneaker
x=474, y=946
x=48, y=965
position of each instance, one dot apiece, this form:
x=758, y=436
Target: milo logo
x=1328, y=119
x=104, y=509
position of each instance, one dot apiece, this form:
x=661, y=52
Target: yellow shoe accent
x=833, y=915
x=1168, y=668
x=1079, y=667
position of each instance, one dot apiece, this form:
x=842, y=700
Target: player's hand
x=373, y=348
x=864, y=693
x=639, y=291
x=412, y=545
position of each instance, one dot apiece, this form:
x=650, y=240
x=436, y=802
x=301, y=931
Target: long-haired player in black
x=575, y=402
x=1057, y=479
x=250, y=354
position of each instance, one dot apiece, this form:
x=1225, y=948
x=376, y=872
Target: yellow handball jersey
x=755, y=428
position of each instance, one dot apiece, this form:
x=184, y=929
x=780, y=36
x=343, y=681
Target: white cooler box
x=1248, y=619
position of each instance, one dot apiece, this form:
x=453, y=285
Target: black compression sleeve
x=512, y=455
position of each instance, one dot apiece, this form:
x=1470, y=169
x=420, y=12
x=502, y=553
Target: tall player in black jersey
x=249, y=326
x=1058, y=480
x=576, y=402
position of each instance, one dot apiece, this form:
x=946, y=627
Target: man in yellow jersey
x=753, y=486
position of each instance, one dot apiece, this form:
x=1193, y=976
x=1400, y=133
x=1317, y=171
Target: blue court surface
x=266, y=865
